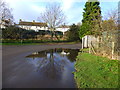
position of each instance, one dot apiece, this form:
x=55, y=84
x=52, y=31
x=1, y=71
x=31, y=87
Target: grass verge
x=95, y=71
x=36, y=43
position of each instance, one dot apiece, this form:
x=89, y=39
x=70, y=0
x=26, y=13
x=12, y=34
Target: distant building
x=5, y=23
x=39, y=26
x=32, y=25
x=63, y=28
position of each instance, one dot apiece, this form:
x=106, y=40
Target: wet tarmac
x=39, y=66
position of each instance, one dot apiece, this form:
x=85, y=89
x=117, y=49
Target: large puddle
x=54, y=68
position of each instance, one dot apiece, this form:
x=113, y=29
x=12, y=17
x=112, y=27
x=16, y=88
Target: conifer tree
x=91, y=16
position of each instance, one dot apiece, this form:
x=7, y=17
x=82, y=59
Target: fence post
x=113, y=47
x=90, y=47
x=97, y=43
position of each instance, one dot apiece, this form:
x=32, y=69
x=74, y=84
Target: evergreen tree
x=91, y=16
x=73, y=34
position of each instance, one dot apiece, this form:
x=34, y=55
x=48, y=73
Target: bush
x=17, y=33
x=73, y=34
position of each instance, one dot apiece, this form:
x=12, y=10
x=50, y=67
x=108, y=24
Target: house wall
x=62, y=29
x=2, y=24
x=36, y=28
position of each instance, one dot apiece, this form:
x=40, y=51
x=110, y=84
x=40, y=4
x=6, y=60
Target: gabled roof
x=32, y=23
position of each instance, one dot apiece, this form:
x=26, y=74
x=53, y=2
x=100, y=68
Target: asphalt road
x=13, y=64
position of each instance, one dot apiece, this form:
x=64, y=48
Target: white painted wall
x=36, y=28
x=62, y=29
x=2, y=24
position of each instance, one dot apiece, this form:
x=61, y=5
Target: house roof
x=32, y=23
x=6, y=20
x=64, y=26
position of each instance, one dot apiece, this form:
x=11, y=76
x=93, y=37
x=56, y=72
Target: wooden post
x=89, y=49
x=87, y=41
x=113, y=47
x=90, y=46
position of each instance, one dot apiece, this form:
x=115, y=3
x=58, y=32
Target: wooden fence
x=106, y=45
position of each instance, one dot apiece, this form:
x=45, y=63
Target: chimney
x=33, y=20
x=20, y=20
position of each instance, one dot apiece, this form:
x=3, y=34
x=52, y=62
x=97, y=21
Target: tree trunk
x=56, y=36
x=51, y=35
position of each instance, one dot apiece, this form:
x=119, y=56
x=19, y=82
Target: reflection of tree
x=53, y=67
x=51, y=64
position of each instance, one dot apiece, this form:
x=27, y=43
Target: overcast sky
x=29, y=10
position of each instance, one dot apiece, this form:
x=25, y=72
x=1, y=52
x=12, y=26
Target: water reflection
x=53, y=62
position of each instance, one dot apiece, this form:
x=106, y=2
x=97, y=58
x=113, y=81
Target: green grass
x=21, y=43
x=33, y=42
x=95, y=71
x=85, y=50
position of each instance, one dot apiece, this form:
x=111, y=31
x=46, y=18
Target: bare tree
x=53, y=16
x=107, y=33
x=109, y=23
x=5, y=12
x=112, y=14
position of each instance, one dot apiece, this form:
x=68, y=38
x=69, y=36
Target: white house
x=32, y=25
x=5, y=23
x=39, y=26
x=1, y=25
x=62, y=28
